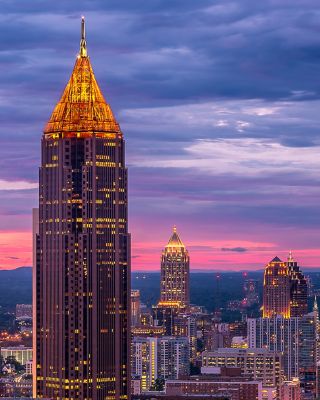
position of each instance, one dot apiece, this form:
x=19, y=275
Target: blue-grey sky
x=219, y=102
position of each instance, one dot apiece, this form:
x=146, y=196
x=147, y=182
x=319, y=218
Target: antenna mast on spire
x=83, y=43
x=290, y=258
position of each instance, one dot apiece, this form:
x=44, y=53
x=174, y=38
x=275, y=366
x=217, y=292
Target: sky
x=219, y=102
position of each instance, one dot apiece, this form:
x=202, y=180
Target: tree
x=13, y=361
x=194, y=369
x=158, y=385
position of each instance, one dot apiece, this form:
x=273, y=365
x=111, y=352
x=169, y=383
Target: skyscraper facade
x=164, y=357
x=135, y=307
x=285, y=289
x=276, y=289
x=175, y=273
x=298, y=289
x=295, y=338
x=82, y=294
x=261, y=364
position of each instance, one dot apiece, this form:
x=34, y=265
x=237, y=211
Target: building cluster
x=286, y=326
x=16, y=371
x=24, y=317
x=178, y=349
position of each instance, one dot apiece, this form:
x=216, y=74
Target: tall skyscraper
x=175, y=273
x=83, y=248
x=295, y=338
x=298, y=289
x=276, y=289
x=285, y=289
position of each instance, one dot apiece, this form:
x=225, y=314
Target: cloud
x=17, y=185
x=221, y=117
x=248, y=157
x=234, y=249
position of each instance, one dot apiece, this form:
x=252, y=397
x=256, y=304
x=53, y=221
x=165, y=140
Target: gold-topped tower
x=82, y=268
x=82, y=110
x=175, y=273
x=276, y=289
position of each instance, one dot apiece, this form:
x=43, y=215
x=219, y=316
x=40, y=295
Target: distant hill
x=206, y=289
x=15, y=287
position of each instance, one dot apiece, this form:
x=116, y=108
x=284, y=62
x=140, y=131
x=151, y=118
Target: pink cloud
x=15, y=249
x=223, y=255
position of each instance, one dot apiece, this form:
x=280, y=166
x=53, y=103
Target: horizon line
x=193, y=270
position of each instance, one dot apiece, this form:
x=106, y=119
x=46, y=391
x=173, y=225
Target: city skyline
x=228, y=148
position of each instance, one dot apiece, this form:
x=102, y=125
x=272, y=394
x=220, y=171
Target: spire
x=290, y=258
x=83, y=43
x=82, y=110
x=175, y=240
x=275, y=260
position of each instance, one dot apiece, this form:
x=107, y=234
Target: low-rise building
x=148, y=331
x=22, y=354
x=29, y=367
x=231, y=389
x=24, y=311
x=290, y=390
x=261, y=364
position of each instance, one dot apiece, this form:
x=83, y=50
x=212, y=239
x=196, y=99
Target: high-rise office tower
x=298, y=289
x=186, y=325
x=276, y=289
x=295, y=338
x=164, y=357
x=175, y=273
x=135, y=307
x=83, y=250
x=285, y=289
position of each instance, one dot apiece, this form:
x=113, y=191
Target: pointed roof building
x=276, y=289
x=298, y=289
x=82, y=109
x=175, y=273
x=82, y=269
x=175, y=240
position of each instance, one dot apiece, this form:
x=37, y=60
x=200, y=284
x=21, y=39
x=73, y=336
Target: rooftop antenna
x=83, y=43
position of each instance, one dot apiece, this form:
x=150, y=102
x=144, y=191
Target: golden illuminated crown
x=175, y=240
x=82, y=107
